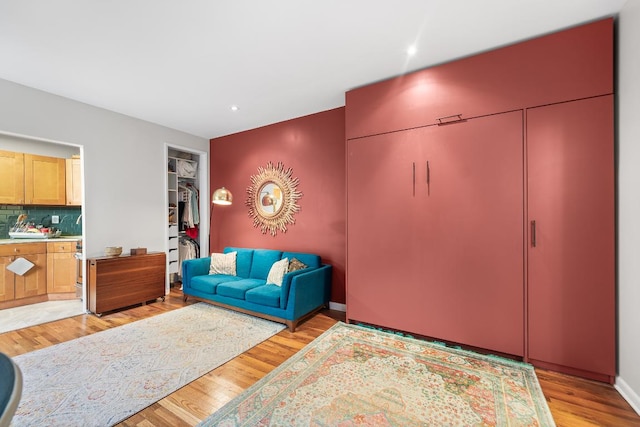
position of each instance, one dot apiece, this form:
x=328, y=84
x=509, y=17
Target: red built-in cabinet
x=438, y=215
x=567, y=65
x=446, y=169
x=571, y=293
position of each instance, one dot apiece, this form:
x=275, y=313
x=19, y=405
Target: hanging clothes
x=187, y=249
x=190, y=214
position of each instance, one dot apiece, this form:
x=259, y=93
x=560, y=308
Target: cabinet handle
x=414, y=179
x=428, y=179
x=533, y=234
x=450, y=119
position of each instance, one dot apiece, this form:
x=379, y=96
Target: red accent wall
x=314, y=147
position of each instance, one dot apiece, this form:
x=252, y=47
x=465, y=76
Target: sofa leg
x=292, y=324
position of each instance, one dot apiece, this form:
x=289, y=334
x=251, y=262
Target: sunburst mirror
x=272, y=198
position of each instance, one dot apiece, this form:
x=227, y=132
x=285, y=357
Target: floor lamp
x=223, y=197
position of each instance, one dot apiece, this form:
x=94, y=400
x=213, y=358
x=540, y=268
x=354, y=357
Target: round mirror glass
x=269, y=199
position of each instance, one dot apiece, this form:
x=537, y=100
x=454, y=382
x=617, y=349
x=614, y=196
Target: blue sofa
x=302, y=292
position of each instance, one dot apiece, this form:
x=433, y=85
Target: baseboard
x=628, y=394
x=337, y=306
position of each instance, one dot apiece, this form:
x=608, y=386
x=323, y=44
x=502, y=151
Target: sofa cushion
x=264, y=295
x=238, y=288
x=277, y=272
x=263, y=259
x=311, y=260
x=209, y=283
x=295, y=264
x=243, y=260
x=223, y=263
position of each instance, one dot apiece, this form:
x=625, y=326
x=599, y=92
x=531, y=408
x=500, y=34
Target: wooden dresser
x=117, y=282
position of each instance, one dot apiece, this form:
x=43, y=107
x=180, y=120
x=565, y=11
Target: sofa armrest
x=309, y=290
x=194, y=267
x=286, y=285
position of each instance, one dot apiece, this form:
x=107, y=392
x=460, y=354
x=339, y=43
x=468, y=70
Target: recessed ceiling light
x=412, y=50
x=234, y=108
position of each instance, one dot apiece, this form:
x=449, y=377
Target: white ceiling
x=182, y=64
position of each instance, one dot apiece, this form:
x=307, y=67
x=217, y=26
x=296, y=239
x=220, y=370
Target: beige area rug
x=354, y=376
x=104, y=378
x=15, y=318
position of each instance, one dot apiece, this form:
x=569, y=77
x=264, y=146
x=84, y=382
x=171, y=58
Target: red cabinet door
x=571, y=283
x=472, y=257
x=383, y=231
x=435, y=232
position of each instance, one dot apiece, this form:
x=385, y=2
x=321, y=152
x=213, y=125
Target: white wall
x=628, y=381
x=124, y=161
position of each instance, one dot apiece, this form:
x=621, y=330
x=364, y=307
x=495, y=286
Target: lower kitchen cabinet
x=34, y=282
x=7, y=282
x=53, y=275
x=61, y=267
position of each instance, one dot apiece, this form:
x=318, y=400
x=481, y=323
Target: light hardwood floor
x=573, y=401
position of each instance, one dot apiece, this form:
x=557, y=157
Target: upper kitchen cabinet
x=11, y=178
x=44, y=180
x=28, y=179
x=74, y=182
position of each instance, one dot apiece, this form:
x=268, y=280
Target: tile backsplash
x=41, y=215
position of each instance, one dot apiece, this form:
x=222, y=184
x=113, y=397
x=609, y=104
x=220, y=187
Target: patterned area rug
x=356, y=376
x=104, y=378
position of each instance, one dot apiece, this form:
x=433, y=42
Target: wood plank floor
x=573, y=401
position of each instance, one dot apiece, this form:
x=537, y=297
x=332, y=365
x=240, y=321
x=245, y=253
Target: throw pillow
x=277, y=272
x=223, y=264
x=295, y=264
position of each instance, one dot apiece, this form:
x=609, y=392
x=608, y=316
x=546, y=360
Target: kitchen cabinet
x=7, y=282
x=27, y=179
x=61, y=267
x=73, y=170
x=34, y=282
x=117, y=282
x=44, y=180
x=11, y=178
x=435, y=237
x=571, y=250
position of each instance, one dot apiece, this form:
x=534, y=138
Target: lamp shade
x=222, y=196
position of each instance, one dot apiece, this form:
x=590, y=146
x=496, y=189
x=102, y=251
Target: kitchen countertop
x=53, y=239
